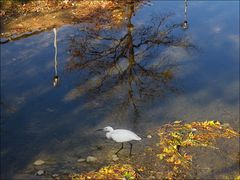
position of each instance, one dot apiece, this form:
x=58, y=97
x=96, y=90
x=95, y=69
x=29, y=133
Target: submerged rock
x=226, y=125
x=55, y=175
x=149, y=136
x=151, y=177
x=115, y=157
x=81, y=160
x=91, y=159
x=39, y=162
x=40, y=173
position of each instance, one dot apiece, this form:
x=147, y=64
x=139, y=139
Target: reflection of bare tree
x=125, y=58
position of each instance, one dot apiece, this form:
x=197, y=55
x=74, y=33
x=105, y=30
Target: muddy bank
x=195, y=150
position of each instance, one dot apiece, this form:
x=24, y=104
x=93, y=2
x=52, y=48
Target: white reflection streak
x=185, y=23
x=185, y=9
x=56, y=78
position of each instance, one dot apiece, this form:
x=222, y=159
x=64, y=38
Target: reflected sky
x=199, y=81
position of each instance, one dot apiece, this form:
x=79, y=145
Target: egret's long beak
x=99, y=130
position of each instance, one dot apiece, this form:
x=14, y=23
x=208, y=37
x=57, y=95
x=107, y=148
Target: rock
x=2, y=13
x=226, y=125
x=177, y=122
x=39, y=162
x=193, y=129
x=114, y=155
x=151, y=177
x=81, y=160
x=149, y=149
x=149, y=136
x=115, y=158
x=159, y=175
x=91, y=159
x=96, y=148
x=40, y=173
x=55, y=175
x=99, y=147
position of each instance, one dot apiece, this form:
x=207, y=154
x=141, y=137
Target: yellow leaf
x=232, y=132
x=177, y=161
x=211, y=123
x=237, y=177
x=161, y=156
x=189, y=126
x=171, y=159
x=141, y=169
x=167, y=150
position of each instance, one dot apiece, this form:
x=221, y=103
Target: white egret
x=121, y=136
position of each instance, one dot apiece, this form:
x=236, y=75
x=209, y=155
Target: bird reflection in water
x=128, y=62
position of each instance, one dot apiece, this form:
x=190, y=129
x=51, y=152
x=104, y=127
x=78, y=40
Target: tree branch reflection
x=128, y=61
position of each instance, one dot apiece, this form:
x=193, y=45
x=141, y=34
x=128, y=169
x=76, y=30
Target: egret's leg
x=119, y=149
x=130, y=149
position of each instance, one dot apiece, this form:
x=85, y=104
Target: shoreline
x=35, y=17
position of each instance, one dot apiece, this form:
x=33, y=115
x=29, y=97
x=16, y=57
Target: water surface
x=147, y=71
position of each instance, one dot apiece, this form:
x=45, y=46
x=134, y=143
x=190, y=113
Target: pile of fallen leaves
x=174, y=138
x=116, y=171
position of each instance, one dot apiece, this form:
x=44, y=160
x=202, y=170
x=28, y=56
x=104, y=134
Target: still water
x=144, y=71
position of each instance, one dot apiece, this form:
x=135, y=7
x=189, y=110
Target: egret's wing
x=122, y=135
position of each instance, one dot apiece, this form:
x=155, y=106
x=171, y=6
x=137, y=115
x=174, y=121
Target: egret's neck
x=108, y=135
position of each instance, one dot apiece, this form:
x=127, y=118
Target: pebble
x=81, y=160
x=40, y=172
x=149, y=136
x=193, y=129
x=151, y=177
x=55, y=175
x=91, y=159
x=226, y=125
x=39, y=162
x=99, y=147
x=115, y=158
x=159, y=175
x=2, y=13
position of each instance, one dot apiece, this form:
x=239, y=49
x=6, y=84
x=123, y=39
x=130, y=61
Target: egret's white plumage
x=121, y=136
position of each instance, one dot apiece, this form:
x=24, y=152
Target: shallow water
x=121, y=76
